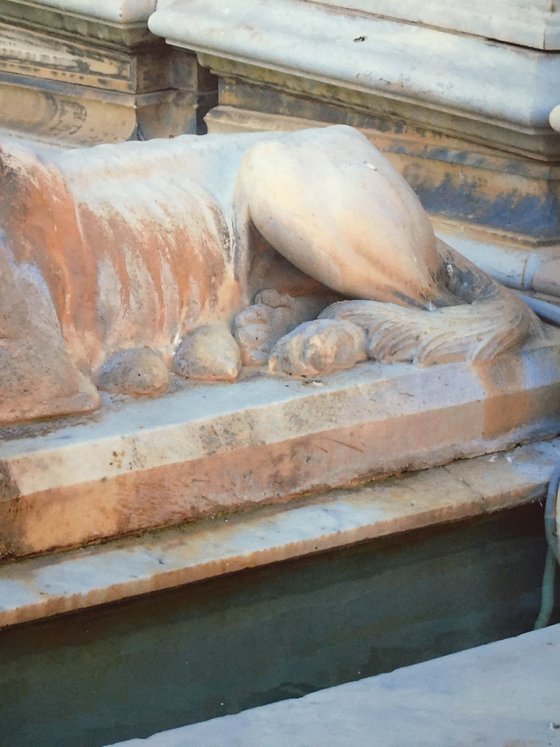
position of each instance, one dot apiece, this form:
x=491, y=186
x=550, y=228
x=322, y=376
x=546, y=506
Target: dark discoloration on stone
x=9, y=502
x=9, y=491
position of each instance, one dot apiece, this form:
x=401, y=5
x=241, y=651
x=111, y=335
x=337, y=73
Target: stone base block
x=206, y=450
x=70, y=79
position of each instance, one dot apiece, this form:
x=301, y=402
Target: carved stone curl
x=115, y=259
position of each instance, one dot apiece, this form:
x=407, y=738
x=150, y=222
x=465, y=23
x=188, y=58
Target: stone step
x=211, y=449
x=53, y=584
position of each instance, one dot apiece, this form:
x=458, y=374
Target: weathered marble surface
x=441, y=75
x=40, y=587
x=117, y=11
x=111, y=256
x=74, y=72
x=213, y=449
x=479, y=156
x=530, y=24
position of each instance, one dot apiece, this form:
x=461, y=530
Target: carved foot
x=134, y=371
x=38, y=378
x=319, y=347
x=258, y=327
x=209, y=353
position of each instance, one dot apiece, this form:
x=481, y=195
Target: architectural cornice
x=449, y=72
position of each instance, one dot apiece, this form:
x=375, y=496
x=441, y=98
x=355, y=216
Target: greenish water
x=135, y=668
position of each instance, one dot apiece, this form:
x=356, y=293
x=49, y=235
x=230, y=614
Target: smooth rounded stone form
x=135, y=371
x=554, y=118
x=209, y=353
x=258, y=327
x=319, y=347
x=111, y=11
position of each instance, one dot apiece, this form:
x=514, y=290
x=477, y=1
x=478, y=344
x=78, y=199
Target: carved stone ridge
x=73, y=79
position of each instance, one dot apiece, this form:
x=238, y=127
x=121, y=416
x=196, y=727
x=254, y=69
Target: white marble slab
x=458, y=73
x=209, y=449
x=531, y=23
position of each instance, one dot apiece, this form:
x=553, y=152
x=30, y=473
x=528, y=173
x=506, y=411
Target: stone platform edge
x=208, y=450
x=51, y=585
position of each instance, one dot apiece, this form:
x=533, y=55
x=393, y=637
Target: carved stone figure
x=200, y=254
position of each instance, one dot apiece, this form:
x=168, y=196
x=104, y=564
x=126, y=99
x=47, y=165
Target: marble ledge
x=438, y=69
x=531, y=24
x=504, y=693
x=204, y=450
x=110, y=11
x=50, y=585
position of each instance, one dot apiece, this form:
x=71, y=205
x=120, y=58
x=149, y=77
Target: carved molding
x=438, y=72
x=49, y=57
x=112, y=11
x=69, y=116
x=55, y=19
x=74, y=89
x=531, y=23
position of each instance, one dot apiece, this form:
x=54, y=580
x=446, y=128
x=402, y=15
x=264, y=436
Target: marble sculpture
x=306, y=252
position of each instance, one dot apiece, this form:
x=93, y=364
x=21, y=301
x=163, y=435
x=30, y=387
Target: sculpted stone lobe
x=120, y=262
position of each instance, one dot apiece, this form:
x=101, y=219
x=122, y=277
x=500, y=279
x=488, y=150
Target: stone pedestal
x=39, y=587
x=208, y=450
x=75, y=72
x=464, y=116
